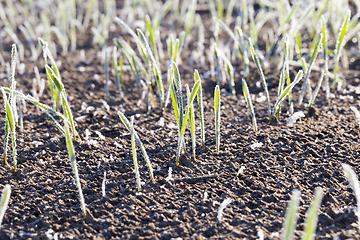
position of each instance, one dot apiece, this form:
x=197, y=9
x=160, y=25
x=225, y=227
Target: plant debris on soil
x=257, y=171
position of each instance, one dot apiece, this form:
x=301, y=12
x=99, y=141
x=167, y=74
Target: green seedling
x=217, y=116
x=152, y=38
x=10, y=110
x=354, y=182
x=192, y=122
x=66, y=106
x=287, y=90
x=218, y=65
x=249, y=103
x=291, y=217
x=127, y=124
x=133, y=148
x=4, y=201
x=325, y=53
x=201, y=108
x=258, y=66
x=316, y=91
x=118, y=74
x=299, y=44
x=71, y=151
x=283, y=74
x=312, y=216
x=339, y=45
x=308, y=71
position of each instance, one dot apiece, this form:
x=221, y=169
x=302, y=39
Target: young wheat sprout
x=217, y=116
x=4, y=201
x=312, y=216
x=71, y=151
x=291, y=217
x=249, y=103
x=201, y=108
x=133, y=148
x=354, y=182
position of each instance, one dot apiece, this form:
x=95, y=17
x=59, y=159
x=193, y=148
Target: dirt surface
x=44, y=201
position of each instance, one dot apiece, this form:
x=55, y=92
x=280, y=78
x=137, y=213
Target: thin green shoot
x=133, y=148
x=306, y=78
x=152, y=38
x=218, y=65
x=299, y=44
x=220, y=9
x=201, y=108
x=71, y=151
x=192, y=122
x=354, y=182
x=283, y=72
x=287, y=90
x=127, y=124
x=258, y=66
x=117, y=73
x=316, y=92
x=9, y=129
x=291, y=217
x=312, y=216
x=339, y=45
x=66, y=106
x=325, y=53
x=4, y=201
x=184, y=121
x=217, y=116
x=249, y=103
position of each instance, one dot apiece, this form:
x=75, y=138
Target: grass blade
x=312, y=216
x=249, y=103
x=316, y=91
x=325, y=52
x=291, y=217
x=339, y=45
x=183, y=126
x=4, y=201
x=71, y=151
x=354, y=182
x=127, y=124
x=217, y=116
x=306, y=78
x=192, y=122
x=258, y=66
x=201, y=108
x=133, y=148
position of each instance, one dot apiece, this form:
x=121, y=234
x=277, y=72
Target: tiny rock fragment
x=291, y=120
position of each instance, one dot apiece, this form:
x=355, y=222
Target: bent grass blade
x=127, y=124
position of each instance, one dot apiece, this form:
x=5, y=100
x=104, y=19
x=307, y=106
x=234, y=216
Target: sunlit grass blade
x=217, y=116
x=127, y=124
x=312, y=216
x=249, y=103
x=10, y=125
x=4, y=201
x=339, y=45
x=282, y=73
x=183, y=126
x=65, y=104
x=71, y=151
x=201, y=108
x=218, y=65
x=117, y=73
x=156, y=69
x=316, y=91
x=258, y=66
x=192, y=122
x=133, y=148
x=354, y=182
x=325, y=53
x=299, y=44
x=307, y=74
x=178, y=93
x=291, y=217
x=287, y=90
x=152, y=38
x=230, y=72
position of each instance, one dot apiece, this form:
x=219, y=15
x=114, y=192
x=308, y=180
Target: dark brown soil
x=44, y=201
